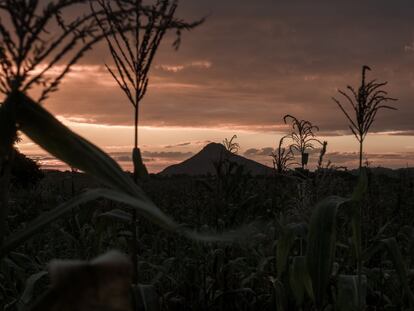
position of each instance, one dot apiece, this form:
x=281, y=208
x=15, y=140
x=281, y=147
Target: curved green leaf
x=348, y=292
x=299, y=279
x=285, y=242
x=50, y=134
x=279, y=295
x=321, y=245
x=362, y=186
x=146, y=298
x=145, y=208
x=27, y=295
x=284, y=245
x=118, y=215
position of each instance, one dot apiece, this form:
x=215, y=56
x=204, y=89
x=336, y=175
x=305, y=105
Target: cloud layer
x=251, y=62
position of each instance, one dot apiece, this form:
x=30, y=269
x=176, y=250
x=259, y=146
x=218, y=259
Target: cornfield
x=297, y=240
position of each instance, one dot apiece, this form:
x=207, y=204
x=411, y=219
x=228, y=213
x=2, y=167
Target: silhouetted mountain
x=202, y=163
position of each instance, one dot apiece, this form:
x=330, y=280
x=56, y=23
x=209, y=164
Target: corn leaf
x=356, y=202
x=145, y=208
x=362, y=186
x=27, y=296
x=47, y=218
x=287, y=238
x=393, y=250
x=348, y=292
x=279, y=295
x=146, y=298
x=299, y=279
x=284, y=245
x=321, y=246
x=50, y=134
x=118, y=215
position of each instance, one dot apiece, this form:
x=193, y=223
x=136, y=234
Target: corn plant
x=322, y=154
x=231, y=178
x=303, y=137
x=314, y=276
x=230, y=145
x=365, y=104
x=282, y=157
x=133, y=56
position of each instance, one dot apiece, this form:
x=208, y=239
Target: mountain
x=202, y=163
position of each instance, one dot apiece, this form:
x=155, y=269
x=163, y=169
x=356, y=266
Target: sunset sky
x=240, y=72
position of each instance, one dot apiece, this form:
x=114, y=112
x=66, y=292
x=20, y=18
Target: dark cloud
x=189, y=143
x=267, y=151
x=251, y=152
x=178, y=145
x=122, y=158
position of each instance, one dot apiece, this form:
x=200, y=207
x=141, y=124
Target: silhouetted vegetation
x=283, y=157
x=298, y=240
x=133, y=36
x=231, y=145
x=365, y=105
x=303, y=137
x=25, y=45
x=186, y=274
x=25, y=172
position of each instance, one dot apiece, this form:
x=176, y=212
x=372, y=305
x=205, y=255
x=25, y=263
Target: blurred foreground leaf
x=50, y=134
x=321, y=245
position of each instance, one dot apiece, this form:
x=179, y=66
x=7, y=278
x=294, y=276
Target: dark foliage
x=25, y=171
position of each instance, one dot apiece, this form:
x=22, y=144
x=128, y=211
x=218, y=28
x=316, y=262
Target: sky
x=241, y=71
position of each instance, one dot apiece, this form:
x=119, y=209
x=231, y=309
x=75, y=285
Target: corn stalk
x=133, y=57
x=303, y=137
x=364, y=105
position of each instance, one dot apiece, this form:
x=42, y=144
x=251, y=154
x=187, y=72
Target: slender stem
x=134, y=213
x=303, y=160
x=359, y=264
x=7, y=139
x=359, y=259
x=5, y=168
x=136, y=128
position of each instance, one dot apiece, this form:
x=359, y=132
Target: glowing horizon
x=164, y=146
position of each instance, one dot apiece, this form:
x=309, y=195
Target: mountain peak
x=214, y=146
x=202, y=163
x=214, y=149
